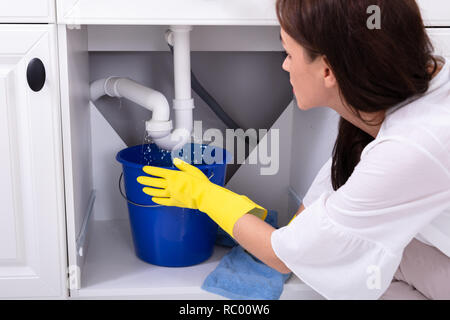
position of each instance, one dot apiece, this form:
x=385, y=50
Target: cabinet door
x=26, y=11
x=31, y=194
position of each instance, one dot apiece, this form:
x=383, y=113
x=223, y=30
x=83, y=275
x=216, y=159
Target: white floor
x=113, y=271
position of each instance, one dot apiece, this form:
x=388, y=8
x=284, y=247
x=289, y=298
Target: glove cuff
x=226, y=207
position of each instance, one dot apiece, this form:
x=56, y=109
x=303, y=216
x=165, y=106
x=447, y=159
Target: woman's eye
x=286, y=55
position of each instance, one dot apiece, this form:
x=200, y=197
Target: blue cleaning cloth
x=240, y=276
x=224, y=239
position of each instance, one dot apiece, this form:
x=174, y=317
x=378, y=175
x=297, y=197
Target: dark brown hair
x=374, y=68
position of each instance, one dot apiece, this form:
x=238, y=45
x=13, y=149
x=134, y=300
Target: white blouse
x=347, y=244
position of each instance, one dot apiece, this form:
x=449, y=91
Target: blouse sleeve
x=348, y=243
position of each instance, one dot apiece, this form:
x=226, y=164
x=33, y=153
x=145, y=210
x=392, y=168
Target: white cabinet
x=100, y=250
x=199, y=12
x=27, y=11
x=101, y=257
x=32, y=242
x=435, y=12
x=46, y=208
x=158, y=12
x=440, y=37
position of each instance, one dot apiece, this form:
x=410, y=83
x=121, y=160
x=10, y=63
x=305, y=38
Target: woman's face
x=312, y=80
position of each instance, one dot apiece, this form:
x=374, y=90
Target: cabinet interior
x=100, y=248
x=99, y=237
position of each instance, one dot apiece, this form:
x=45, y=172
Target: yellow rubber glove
x=190, y=188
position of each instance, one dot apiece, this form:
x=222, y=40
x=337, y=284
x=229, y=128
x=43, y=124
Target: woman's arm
x=254, y=235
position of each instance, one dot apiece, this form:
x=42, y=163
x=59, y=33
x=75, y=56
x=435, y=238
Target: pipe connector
x=110, y=87
x=158, y=129
x=183, y=104
x=175, y=140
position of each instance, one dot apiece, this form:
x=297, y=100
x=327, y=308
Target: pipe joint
x=110, y=87
x=183, y=104
x=154, y=126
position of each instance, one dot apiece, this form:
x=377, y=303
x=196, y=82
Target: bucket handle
x=141, y=205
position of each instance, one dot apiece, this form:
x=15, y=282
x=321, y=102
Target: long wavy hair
x=375, y=69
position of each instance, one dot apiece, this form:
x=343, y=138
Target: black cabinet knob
x=36, y=74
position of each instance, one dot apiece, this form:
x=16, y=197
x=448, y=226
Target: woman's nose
x=285, y=65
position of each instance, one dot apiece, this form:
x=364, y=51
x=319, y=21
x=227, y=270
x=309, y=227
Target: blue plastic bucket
x=170, y=236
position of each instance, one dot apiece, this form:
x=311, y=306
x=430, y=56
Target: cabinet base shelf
x=112, y=271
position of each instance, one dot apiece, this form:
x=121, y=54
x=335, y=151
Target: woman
x=385, y=193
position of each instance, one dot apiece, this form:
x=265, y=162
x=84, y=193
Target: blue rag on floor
x=241, y=276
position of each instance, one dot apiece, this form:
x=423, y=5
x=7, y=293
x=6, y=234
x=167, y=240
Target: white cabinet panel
x=435, y=12
x=27, y=11
x=441, y=41
x=157, y=12
x=31, y=195
x=199, y=12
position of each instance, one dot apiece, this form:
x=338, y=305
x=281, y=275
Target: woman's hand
x=173, y=187
x=190, y=188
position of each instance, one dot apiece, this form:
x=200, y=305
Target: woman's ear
x=328, y=74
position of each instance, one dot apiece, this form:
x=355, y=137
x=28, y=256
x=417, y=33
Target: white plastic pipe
x=146, y=97
x=182, y=61
x=183, y=104
x=159, y=127
x=97, y=89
